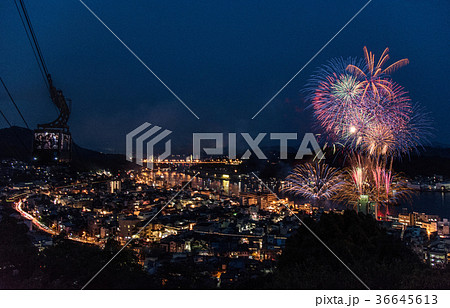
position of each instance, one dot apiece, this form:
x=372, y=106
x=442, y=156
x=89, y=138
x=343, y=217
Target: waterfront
x=435, y=203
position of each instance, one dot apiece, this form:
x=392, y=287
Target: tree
x=379, y=259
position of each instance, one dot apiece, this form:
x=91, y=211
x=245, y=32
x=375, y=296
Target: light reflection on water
x=436, y=203
x=224, y=186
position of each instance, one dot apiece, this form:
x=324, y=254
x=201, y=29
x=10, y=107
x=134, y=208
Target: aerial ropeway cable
x=55, y=94
x=14, y=103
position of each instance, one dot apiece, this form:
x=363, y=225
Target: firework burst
x=335, y=94
x=368, y=176
x=366, y=112
x=316, y=181
x=360, y=108
x=374, y=76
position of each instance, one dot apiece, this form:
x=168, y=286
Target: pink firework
x=366, y=112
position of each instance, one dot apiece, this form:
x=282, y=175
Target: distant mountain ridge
x=17, y=143
x=429, y=161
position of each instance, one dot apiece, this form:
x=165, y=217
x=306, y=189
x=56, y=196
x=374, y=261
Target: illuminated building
x=114, y=186
x=262, y=200
x=367, y=207
x=127, y=226
x=437, y=254
x=407, y=219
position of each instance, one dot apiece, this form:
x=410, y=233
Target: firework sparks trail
x=316, y=181
x=374, y=76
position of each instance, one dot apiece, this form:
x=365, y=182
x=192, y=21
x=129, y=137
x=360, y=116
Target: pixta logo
x=309, y=140
x=148, y=138
x=148, y=135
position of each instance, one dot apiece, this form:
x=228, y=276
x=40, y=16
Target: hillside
x=17, y=143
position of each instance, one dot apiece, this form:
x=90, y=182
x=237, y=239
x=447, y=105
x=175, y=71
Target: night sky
x=225, y=59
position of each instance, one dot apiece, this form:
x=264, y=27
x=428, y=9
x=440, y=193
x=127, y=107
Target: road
x=18, y=200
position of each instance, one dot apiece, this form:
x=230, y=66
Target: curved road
x=18, y=202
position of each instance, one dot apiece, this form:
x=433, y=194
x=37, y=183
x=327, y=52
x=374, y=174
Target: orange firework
x=371, y=177
x=374, y=75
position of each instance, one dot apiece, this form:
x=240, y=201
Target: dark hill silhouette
x=17, y=143
x=430, y=161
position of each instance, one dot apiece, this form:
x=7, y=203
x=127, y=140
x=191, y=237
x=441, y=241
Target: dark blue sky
x=225, y=59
